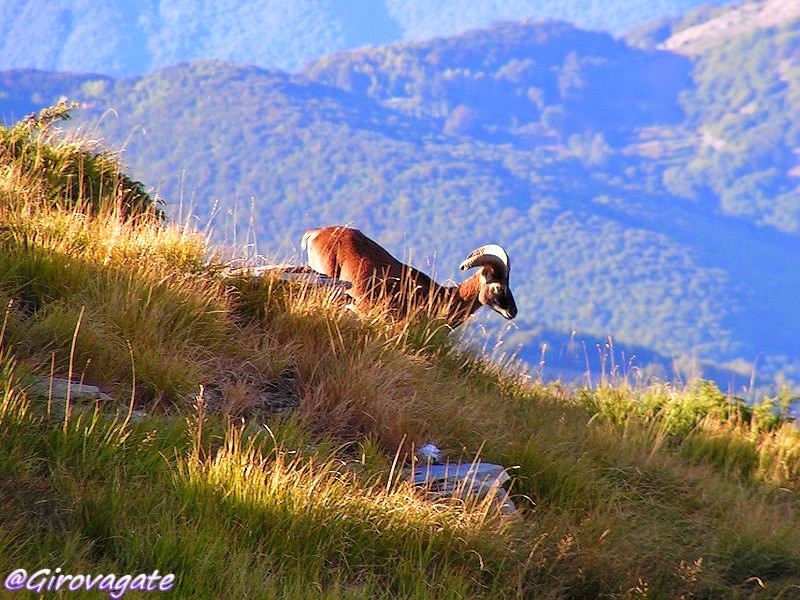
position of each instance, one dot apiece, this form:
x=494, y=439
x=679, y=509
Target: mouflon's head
x=495, y=270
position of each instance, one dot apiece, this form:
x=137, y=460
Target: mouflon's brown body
x=375, y=275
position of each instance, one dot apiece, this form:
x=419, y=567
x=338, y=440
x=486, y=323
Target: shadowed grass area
x=277, y=513
x=268, y=464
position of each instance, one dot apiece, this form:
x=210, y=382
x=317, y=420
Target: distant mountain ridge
x=517, y=77
x=125, y=37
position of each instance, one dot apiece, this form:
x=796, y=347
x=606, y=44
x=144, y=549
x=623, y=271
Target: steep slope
x=599, y=245
x=125, y=37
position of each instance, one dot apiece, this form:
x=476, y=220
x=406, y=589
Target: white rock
x=462, y=480
x=430, y=453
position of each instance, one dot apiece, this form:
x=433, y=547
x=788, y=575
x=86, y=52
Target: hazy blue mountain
x=407, y=143
x=517, y=80
x=419, y=19
x=122, y=37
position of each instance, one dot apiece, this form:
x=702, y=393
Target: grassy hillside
x=254, y=443
x=620, y=219
x=511, y=134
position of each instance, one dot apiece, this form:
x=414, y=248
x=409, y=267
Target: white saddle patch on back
x=314, y=260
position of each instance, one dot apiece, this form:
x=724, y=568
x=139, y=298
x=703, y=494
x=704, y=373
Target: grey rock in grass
x=77, y=391
x=458, y=480
x=288, y=272
x=138, y=415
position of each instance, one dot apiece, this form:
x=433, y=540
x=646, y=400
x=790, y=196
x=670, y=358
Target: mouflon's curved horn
x=490, y=254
